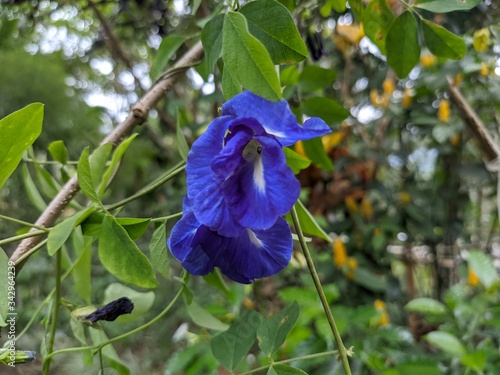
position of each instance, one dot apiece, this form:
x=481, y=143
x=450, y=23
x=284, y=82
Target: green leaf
x=231, y=346
x=370, y=280
x=441, y=42
x=273, y=25
x=4, y=297
x=403, y=50
x=444, y=6
x=82, y=271
x=115, y=160
x=33, y=194
x=447, y=342
x=85, y=176
x=326, y=108
x=98, y=337
x=315, y=151
x=284, y=369
x=168, y=46
x=203, y=318
x=475, y=361
x=121, y=256
x=142, y=301
x=426, y=306
x=376, y=21
x=215, y=279
x=19, y=130
x=135, y=227
x=98, y=161
x=211, y=38
x=182, y=145
x=272, y=332
x=308, y=223
x=230, y=86
x=158, y=251
x=59, y=152
x=295, y=161
x=314, y=78
x=61, y=232
x=247, y=59
x=483, y=267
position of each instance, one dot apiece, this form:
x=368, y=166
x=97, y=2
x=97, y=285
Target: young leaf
x=182, y=145
x=444, y=6
x=121, y=256
x=483, y=267
x=158, y=251
x=230, y=87
x=19, y=130
x=4, y=300
x=376, y=21
x=441, y=42
x=98, y=161
x=403, y=50
x=203, y=318
x=295, y=161
x=426, y=306
x=247, y=59
x=82, y=271
x=61, y=232
x=284, y=369
x=168, y=46
x=308, y=224
x=315, y=151
x=231, y=346
x=272, y=332
x=142, y=301
x=273, y=25
x=85, y=176
x=447, y=342
x=326, y=108
x=115, y=160
x=33, y=194
x=135, y=227
x=211, y=38
x=59, y=152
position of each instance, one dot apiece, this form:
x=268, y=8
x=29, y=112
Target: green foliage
x=169, y=45
x=19, y=130
x=403, y=50
x=4, y=300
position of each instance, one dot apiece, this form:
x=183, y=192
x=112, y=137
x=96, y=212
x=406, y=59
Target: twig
x=137, y=116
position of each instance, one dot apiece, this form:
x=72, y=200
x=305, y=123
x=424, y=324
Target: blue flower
x=238, y=187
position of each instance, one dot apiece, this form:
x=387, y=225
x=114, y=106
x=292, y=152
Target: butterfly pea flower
x=238, y=189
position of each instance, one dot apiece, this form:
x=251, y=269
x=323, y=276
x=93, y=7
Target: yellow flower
x=444, y=111
x=299, y=148
x=352, y=33
x=427, y=60
x=484, y=71
x=352, y=264
x=407, y=98
x=472, y=279
x=455, y=139
x=404, y=198
x=339, y=253
x=352, y=206
x=457, y=80
x=384, y=317
x=481, y=40
x=375, y=98
x=366, y=209
x=388, y=86
x=332, y=140
x=248, y=303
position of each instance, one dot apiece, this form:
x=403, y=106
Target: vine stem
x=98, y=347
x=342, y=351
x=55, y=313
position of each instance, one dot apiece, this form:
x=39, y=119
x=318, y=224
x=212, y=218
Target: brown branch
x=487, y=146
x=137, y=116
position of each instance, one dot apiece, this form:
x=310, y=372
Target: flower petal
x=263, y=190
x=193, y=258
x=275, y=117
x=253, y=254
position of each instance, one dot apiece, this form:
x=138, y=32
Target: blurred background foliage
x=404, y=190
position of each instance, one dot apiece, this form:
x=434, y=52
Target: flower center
x=252, y=154
x=252, y=151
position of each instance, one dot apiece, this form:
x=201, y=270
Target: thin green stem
x=284, y=361
x=49, y=162
x=55, y=312
x=23, y=236
x=101, y=361
x=165, y=218
x=156, y=184
x=25, y=223
x=127, y=334
x=343, y=352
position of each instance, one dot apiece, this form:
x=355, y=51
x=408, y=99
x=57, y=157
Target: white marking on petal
x=258, y=175
x=253, y=238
